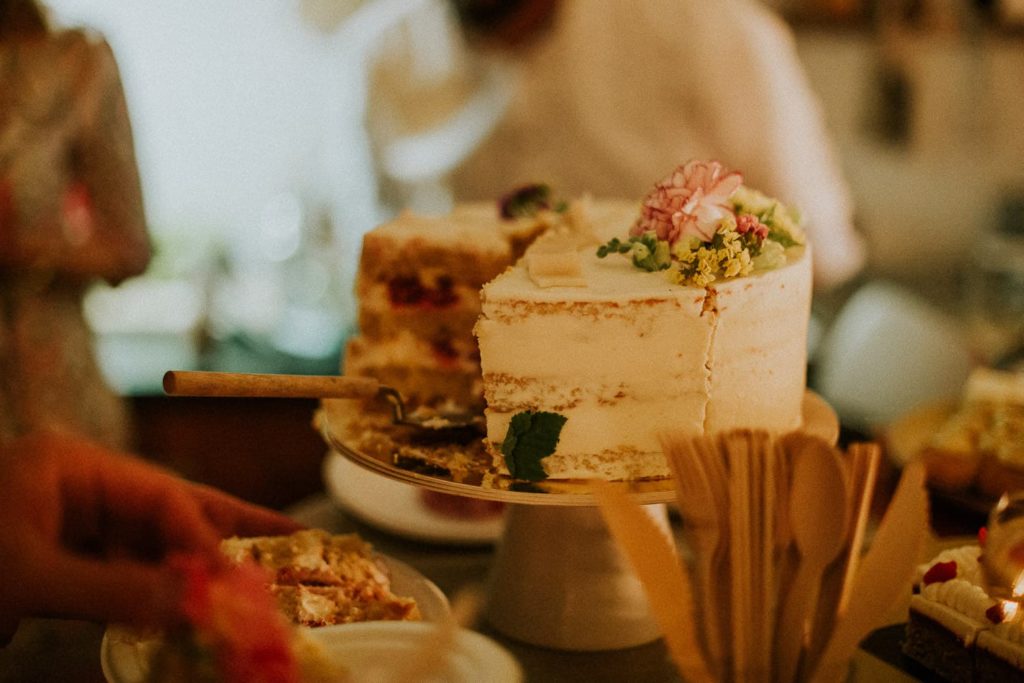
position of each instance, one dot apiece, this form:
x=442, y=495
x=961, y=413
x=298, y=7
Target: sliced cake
x=693, y=315
x=418, y=289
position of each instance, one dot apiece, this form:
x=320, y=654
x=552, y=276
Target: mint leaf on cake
x=526, y=201
x=531, y=437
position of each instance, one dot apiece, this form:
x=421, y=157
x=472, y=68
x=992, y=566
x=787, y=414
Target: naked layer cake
x=418, y=290
x=692, y=314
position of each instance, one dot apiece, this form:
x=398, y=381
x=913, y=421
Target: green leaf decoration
x=782, y=238
x=646, y=251
x=525, y=201
x=532, y=436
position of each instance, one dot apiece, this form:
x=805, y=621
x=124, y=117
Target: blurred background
x=271, y=134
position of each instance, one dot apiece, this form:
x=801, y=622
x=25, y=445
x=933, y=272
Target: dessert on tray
x=688, y=311
x=961, y=628
x=980, y=443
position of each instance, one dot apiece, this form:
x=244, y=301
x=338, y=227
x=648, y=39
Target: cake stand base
x=560, y=581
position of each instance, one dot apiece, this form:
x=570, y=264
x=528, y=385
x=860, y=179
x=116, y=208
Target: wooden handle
x=194, y=383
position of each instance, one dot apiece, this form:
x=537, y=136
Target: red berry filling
x=443, y=350
x=996, y=613
x=940, y=572
x=407, y=290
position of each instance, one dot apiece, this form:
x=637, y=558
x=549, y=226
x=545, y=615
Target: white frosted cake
x=698, y=321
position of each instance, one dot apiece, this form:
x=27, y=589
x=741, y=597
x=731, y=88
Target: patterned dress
x=70, y=213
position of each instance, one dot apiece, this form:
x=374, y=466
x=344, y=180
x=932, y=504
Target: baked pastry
x=320, y=579
x=981, y=442
x=693, y=315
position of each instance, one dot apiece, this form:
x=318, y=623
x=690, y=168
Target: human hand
x=84, y=532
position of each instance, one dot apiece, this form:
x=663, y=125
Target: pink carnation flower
x=690, y=201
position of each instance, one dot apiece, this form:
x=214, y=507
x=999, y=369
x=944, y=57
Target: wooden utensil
x=763, y=451
x=737, y=451
x=865, y=459
x=253, y=385
x=862, y=466
x=885, y=573
x=703, y=529
x=818, y=521
x=665, y=581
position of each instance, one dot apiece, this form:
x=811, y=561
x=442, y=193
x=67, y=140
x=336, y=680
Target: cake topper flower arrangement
x=701, y=224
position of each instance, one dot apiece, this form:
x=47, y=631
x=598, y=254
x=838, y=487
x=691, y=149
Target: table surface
x=69, y=651
x=453, y=568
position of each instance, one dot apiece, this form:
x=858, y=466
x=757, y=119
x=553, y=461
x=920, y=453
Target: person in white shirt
x=612, y=95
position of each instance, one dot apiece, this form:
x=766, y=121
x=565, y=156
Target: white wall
x=923, y=204
x=233, y=103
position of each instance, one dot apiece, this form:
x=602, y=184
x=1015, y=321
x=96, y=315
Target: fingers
x=233, y=517
x=118, y=591
x=139, y=494
x=133, y=488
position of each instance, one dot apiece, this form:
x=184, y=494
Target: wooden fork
x=702, y=526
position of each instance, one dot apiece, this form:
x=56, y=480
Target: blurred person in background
x=611, y=96
x=71, y=213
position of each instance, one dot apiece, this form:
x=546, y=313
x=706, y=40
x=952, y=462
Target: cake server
x=254, y=385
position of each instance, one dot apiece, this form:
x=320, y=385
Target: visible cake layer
x=424, y=372
x=517, y=232
x=380, y=317
x=467, y=247
x=418, y=288
x=932, y=643
x=631, y=354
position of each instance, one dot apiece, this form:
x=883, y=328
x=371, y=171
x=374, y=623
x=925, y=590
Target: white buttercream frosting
x=965, y=597
x=967, y=559
x=631, y=354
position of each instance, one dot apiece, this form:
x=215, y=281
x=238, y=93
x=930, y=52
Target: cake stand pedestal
x=559, y=580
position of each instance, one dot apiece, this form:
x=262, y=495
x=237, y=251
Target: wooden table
x=69, y=651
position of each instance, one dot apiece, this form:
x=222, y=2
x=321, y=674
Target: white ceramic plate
x=374, y=651
x=398, y=508
x=124, y=655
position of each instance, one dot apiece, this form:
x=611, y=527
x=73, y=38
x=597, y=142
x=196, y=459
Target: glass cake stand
x=558, y=579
